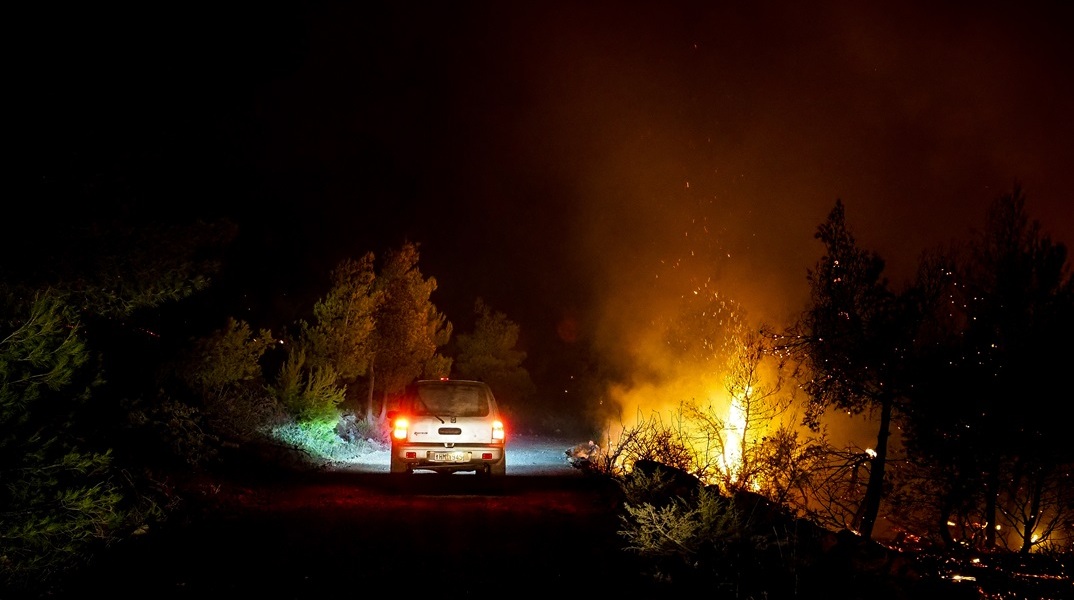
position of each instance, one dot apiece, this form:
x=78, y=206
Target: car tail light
x=399, y=429
x=497, y=430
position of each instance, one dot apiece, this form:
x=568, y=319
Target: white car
x=448, y=425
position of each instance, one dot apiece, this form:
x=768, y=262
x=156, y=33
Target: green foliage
x=380, y=326
x=319, y=439
x=224, y=370
x=58, y=501
x=409, y=328
x=38, y=355
x=702, y=542
x=226, y=357
x=489, y=354
x=115, y=269
x=738, y=546
x=655, y=486
x=342, y=332
x=76, y=305
x=679, y=527
x=54, y=517
x=308, y=394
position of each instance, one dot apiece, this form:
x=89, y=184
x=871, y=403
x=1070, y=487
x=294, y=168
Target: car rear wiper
x=441, y=417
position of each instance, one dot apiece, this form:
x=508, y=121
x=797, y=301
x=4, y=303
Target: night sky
x=579, y=165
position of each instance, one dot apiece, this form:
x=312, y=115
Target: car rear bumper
x=457, y=457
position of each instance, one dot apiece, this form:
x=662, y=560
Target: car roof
x=448, y=381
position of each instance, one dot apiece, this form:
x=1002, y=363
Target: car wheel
x=399, y=466
x=498, y=469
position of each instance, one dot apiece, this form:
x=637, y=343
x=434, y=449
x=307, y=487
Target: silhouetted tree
x=489, y=353
x=1021, y=304
x=854, y=342
x=940, y=481
x=992, y=381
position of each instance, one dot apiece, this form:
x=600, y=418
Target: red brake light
x=497, y=430
x=399, y=428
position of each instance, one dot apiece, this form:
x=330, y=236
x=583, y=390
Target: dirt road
x=544, y=528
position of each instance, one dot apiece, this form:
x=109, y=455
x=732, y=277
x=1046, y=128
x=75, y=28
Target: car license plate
x=456, y=456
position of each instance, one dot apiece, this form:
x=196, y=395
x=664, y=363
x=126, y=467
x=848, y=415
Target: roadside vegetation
x=118, y=394
x=122, y=383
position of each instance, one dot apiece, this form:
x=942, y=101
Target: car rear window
x=451, y=400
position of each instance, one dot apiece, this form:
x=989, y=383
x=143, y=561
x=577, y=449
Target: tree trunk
x=384, y=406
x=369, y=396
x=991, y=500
x=874, y=492
x=1032, y=517
x=944, y=530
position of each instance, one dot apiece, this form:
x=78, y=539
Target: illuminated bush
x=308, y=394
x=318, y=440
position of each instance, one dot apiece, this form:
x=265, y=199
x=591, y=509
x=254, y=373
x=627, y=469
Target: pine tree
x=854, y=340
x=342, y=332
x=409, y=329
x=59, y=500
x=490, y=354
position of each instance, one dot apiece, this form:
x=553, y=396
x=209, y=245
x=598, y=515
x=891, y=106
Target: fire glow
x=735, y=441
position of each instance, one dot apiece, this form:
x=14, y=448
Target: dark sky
x=581, y=163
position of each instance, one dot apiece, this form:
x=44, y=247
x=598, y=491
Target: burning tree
x=755, y=449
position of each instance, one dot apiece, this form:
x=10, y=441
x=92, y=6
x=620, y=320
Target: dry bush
x=650, y=439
